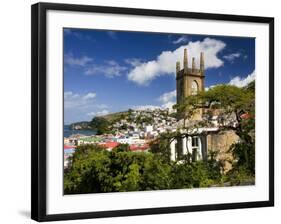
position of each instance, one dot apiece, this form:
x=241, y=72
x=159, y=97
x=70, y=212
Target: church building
x=190, y=81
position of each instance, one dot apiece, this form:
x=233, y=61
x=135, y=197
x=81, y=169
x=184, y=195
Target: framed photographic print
x=138, y=111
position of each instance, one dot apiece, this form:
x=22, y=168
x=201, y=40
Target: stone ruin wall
x=221, y=143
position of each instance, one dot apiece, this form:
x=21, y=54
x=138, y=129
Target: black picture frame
x=39, y=115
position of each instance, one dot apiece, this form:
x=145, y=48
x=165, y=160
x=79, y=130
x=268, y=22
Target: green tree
x=196, y=174
x=94, y=169
x=89, y=171
x=161, y=146
x=181, y=176
x=122, y=148
x=100, y=124
x=156, y=173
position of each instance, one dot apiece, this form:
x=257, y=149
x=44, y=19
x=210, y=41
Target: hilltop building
x=190, y=81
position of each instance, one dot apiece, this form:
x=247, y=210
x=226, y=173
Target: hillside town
x=137, y=129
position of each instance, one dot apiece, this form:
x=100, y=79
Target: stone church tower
x=190, y=81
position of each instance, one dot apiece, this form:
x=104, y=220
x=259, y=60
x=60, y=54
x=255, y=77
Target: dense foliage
x=101, y=125
x=96, y=170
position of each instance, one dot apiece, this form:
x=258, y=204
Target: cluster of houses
x=146, y=124
x=136, y=129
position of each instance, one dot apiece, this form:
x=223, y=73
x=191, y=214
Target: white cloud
x=165, y=63
x=168, y=97
x=79, y=35
x=232, y=57
x=110, y=69
x=71, y=60
x=81, y=107
x=89, y=96
x=167, y=101
x=133, y=61
x=99, y=113
x=238, y=81
x=69, y=94
x=75, y=100
x=168, y=105
x=180, y=40
x=241, y=82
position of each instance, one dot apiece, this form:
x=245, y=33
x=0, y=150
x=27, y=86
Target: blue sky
x=110, y=71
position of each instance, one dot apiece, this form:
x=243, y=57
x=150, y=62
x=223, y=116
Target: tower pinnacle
x=202, y=66
x=185, y=61
x=193, y=65
x=178, y=67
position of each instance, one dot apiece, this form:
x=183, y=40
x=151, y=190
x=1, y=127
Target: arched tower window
x=194, y=87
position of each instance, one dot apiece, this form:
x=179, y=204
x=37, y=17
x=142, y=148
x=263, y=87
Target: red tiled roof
x=245, y=116
x=135, y=147
x=110, y=144
x=69, y=146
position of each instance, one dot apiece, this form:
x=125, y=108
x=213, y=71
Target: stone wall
x=220, y=143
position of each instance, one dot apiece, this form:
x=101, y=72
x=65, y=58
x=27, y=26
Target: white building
x=148, y=128
x=124, y=140
x=188, y=145
x=195, y=145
